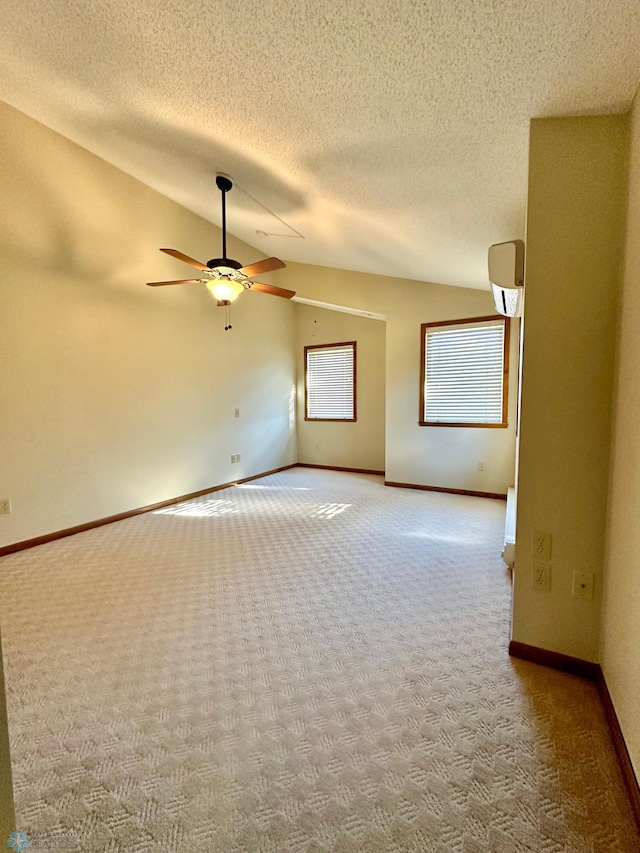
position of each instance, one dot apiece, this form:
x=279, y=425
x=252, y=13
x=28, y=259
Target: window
x=330, y=382
x=464, y=371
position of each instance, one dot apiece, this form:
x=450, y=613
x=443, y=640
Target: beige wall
x=576, y=206
x=350, y=445
x=432, y=456
x=7, y=817
x=116, y=395
x=620, y=646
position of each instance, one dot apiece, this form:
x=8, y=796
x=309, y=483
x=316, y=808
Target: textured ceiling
x=392, y=135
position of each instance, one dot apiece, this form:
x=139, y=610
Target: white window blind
x=464, y=373
x=330, y=373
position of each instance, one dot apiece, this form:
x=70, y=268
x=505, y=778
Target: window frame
x=504, y=423
x=353, y=345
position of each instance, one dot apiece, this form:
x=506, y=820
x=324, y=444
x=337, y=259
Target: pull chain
x=227, y=317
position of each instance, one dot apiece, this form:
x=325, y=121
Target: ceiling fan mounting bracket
x=223, y=183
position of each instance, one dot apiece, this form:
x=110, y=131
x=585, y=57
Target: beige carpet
x=309, y=662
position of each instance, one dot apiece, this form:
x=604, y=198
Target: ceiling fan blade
x=181, y=281
x=260, y=267
x=269, y=288
x=181, y=257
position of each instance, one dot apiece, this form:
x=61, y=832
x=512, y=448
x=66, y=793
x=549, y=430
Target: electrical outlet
x=582, y=585
x=5, y=506
x=541, y=576
x=237, y=457
x=541, y=545
x=234, y=458
x=237, y=414
x=480, y=465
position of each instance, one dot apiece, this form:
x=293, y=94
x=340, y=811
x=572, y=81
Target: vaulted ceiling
x=376, y=136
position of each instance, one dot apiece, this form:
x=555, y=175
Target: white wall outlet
x=5, y=506
x=582, y=585
x=541, y=545
x=480, y=465
x=237, y=413
x=234, y=458
x=541, y=576
x=237, y=457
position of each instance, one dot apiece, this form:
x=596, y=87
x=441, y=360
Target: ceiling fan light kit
x=224, y=277
x=224, y=290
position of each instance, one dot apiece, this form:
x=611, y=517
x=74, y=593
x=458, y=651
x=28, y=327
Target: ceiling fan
x=224, y=277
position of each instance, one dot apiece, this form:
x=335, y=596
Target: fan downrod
x=224, y=184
